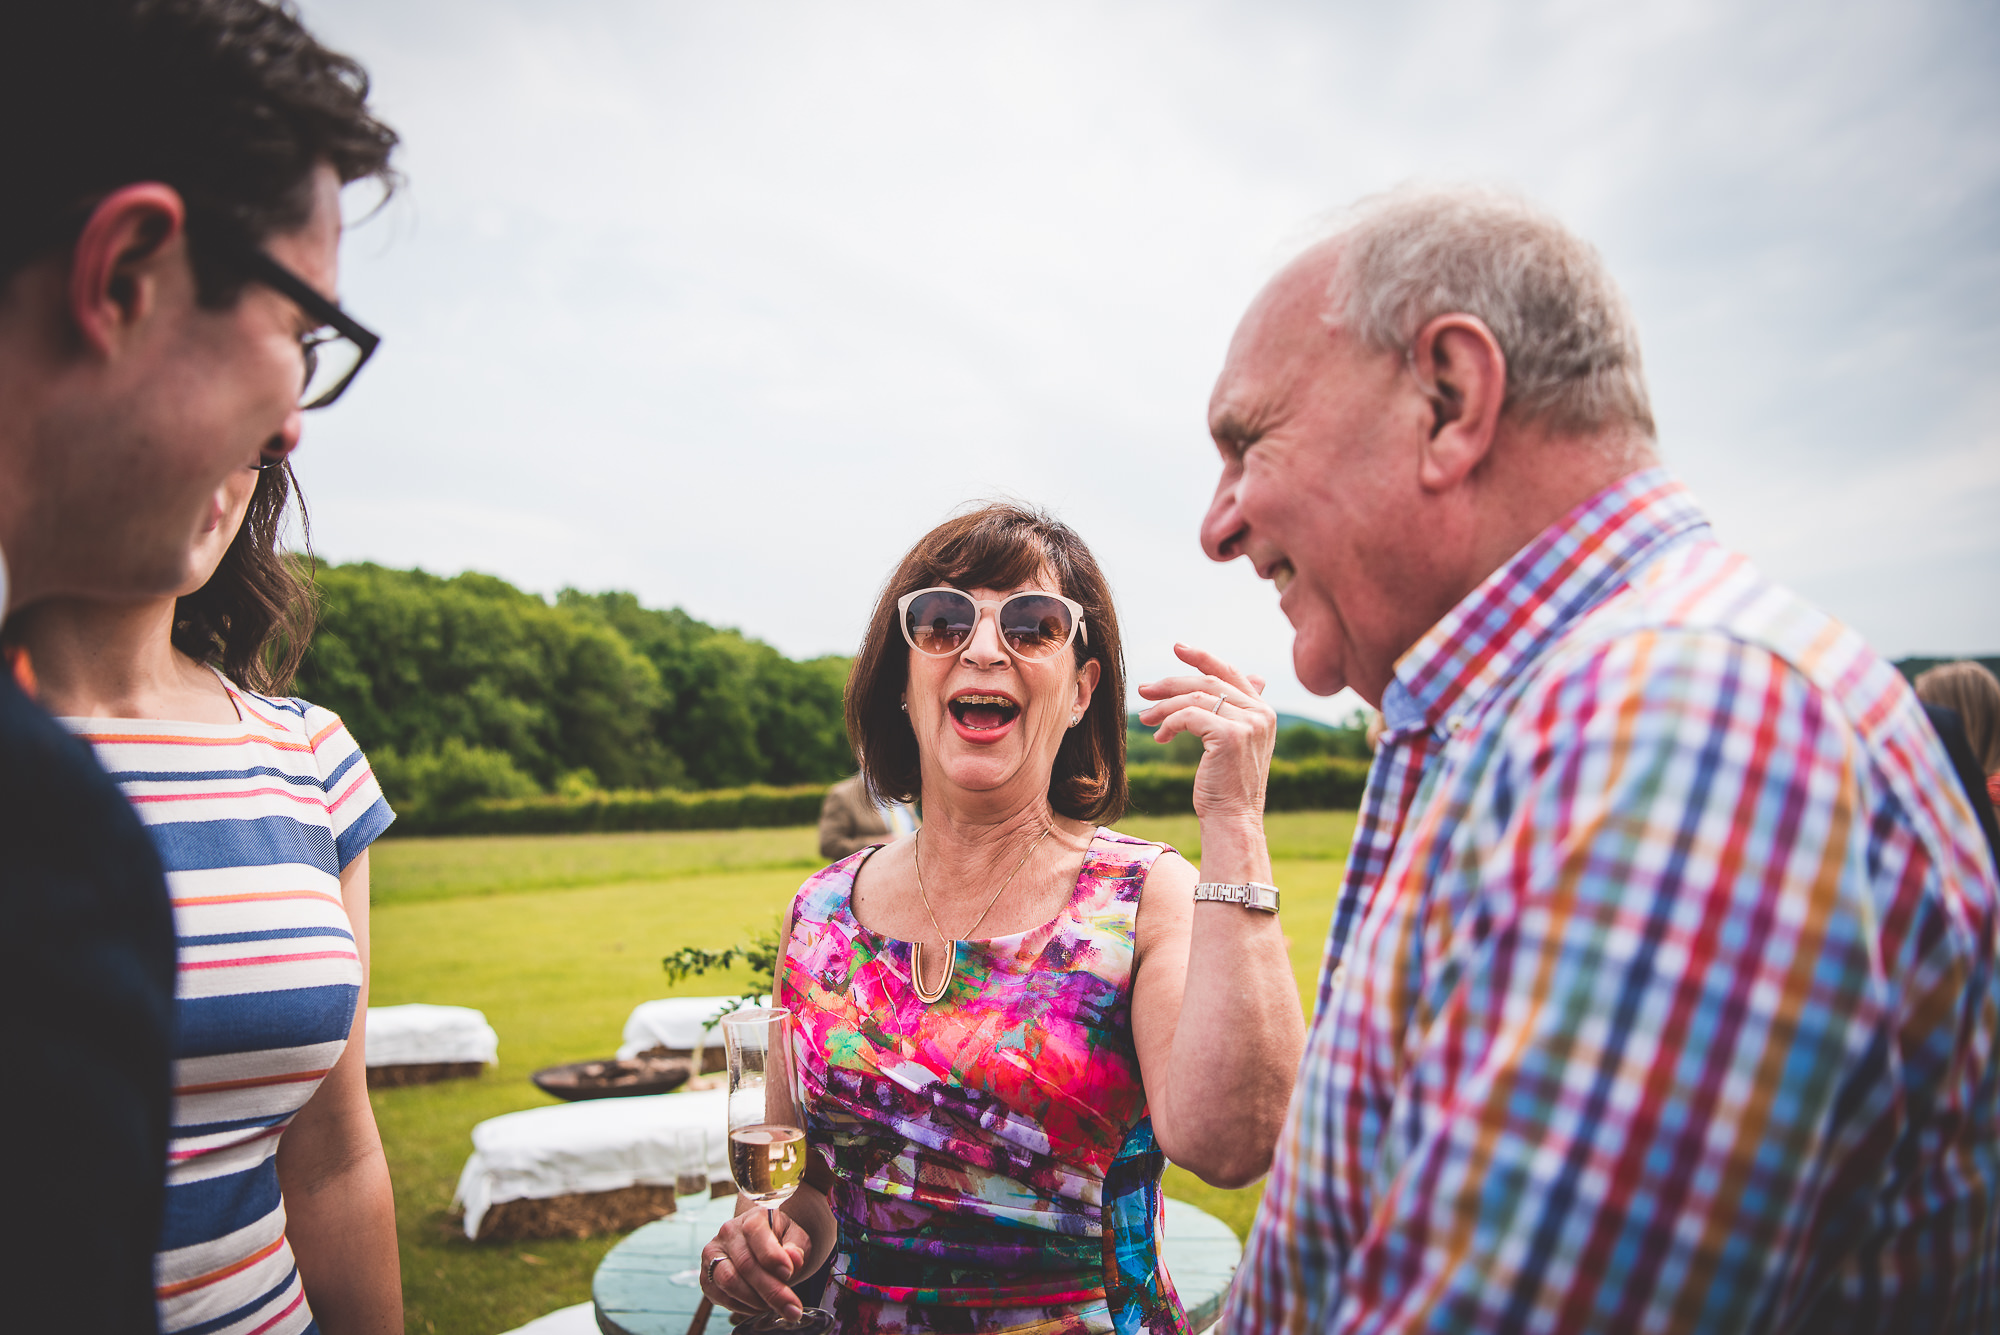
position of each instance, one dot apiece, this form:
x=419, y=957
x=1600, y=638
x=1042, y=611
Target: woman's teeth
x=983, y=713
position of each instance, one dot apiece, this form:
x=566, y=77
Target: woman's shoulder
x=826, y=893
x=1113, y=846
x=317, y=726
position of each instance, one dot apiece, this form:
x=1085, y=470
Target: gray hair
x=1406, y=257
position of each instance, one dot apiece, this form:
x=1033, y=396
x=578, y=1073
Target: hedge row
x=667, y=809
x=1321, y=783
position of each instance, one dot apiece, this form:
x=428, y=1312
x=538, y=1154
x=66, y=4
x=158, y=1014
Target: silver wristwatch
x=1250, y=894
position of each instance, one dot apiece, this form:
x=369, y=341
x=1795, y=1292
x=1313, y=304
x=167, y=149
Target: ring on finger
x=1220, y=701
x=708, y=1267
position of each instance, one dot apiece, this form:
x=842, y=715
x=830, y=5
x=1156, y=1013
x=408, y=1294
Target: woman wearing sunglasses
x=1009, y=1021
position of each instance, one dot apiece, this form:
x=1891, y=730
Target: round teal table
x=649, y=1284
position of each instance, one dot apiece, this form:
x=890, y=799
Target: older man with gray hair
x=1661, y=991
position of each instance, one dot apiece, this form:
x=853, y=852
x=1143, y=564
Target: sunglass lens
x=940, y=621
x=1035, y=625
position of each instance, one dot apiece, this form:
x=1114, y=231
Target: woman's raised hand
x=756, y=1263
x=1224, y=706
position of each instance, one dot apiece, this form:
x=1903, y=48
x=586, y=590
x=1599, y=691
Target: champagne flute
x=767, y=1128
x=690, y=1163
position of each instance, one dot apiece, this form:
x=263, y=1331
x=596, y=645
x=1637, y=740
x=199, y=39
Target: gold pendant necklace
x=931, y=998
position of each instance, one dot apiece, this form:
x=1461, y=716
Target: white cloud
x=726, y=304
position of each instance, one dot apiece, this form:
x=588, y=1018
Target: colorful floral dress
x=994, y=1165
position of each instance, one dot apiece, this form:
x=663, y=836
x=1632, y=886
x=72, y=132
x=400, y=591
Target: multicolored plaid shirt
x=1661, y=993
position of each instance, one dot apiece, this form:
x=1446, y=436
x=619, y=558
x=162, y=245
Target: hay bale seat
x=671, y=1027
x=578, y=1169
x=419, y=1044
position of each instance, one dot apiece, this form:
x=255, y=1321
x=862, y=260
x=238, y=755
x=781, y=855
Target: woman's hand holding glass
x=756, y=1254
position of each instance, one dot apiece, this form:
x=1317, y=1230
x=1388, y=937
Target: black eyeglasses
x=335, y=351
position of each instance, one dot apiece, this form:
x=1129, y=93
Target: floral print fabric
x=994, y=1166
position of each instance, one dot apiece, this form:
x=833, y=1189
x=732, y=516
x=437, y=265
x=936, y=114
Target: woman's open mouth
x=978, y=713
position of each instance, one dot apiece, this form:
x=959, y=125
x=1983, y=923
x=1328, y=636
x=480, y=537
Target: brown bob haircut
x=998, y=546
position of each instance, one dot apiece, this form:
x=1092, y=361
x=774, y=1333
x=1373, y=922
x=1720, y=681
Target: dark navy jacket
x=86, y=1009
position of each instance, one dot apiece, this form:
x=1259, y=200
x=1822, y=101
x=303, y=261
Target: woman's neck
x=970, y=837
x=117, y=660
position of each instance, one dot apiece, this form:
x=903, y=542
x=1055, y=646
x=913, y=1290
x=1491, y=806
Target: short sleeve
x=354, y=799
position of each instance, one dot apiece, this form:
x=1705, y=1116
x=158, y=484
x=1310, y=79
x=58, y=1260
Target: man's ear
x=114, y=270
x=1461, y=369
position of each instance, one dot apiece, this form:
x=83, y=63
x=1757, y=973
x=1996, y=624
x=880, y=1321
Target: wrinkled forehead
x=1285, y=327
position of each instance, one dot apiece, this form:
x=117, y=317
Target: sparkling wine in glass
x=767, y=1128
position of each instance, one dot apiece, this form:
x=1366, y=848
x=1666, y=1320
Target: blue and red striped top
x=1661, y=992
x=254, y=821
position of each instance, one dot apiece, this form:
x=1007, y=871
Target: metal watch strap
x=1250, y=894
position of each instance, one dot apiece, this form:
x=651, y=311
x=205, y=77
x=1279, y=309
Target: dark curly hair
x=230, y=102
x=996, y=546
x=233, y=104
x=254, y=618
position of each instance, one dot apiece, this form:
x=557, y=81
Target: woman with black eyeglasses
x=1007, y=1023
x=262, y=808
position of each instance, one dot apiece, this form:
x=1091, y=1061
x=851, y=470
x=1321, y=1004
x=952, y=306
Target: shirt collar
x=1571, y=567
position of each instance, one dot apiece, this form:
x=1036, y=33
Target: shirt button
x=1454, y=725
x=1339, y=976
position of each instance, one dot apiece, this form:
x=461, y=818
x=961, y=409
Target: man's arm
x=1640, y=1052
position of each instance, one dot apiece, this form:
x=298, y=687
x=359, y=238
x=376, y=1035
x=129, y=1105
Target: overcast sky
x=727, y=303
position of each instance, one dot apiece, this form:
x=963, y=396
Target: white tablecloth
x=413, y=1035
x=599, y=1145
x=676, y=1022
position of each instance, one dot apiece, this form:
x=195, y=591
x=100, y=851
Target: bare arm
x=1215, y=1009
x=340, y=1215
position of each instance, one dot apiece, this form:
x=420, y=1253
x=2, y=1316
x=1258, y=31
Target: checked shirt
x=1661, y=991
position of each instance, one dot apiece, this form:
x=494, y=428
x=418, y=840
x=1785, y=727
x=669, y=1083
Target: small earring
x=905, y=706
x=1074, y=719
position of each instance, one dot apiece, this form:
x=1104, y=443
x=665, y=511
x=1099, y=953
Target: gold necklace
x=917, y=947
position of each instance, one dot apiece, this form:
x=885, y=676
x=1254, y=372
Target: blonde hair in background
x=1974, y=693
x=1406, y=257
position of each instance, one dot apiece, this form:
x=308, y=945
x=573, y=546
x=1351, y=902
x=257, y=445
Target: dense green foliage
x=1317, y=783
x=1298, y=739
x=756, y=807
x=466, y=688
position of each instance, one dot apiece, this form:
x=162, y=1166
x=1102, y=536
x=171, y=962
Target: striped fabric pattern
x=254, y=821
x=1661, y=994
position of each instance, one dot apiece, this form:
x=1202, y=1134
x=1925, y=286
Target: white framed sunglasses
x=940, y=621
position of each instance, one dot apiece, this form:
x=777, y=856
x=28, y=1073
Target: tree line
x=466, y=687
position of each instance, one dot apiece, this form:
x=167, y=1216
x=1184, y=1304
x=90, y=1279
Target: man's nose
x=984, y=648
x=1222, y=527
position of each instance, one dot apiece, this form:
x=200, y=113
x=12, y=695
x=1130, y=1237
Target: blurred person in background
x=851, y=819
x=169, y=245
x=1963, y=700
x=1661, y=991
x=1012, y=1018
x=1968, y=690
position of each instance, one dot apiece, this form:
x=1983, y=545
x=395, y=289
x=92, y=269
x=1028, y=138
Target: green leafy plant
x=760, y=953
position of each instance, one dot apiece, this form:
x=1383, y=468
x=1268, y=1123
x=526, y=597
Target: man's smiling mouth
x=983, y=713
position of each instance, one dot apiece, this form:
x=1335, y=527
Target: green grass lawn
x=558, y=937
